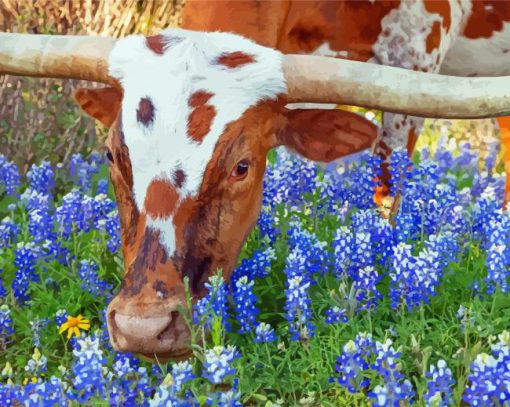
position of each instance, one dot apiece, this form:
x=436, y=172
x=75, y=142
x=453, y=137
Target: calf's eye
x=240, y=170
x=109, y=155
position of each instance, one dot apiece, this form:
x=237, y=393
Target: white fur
x=169, y=80
x=481, y=56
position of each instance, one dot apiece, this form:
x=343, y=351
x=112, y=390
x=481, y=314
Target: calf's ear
x=325, y=135
x=102, y=104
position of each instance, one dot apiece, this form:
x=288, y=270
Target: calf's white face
x=190, y=127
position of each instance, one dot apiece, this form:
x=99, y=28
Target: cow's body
x=455, y=37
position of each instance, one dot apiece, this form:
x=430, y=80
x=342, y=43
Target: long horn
x=56, y=56
x=329, y=80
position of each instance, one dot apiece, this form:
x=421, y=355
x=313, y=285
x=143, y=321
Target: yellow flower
x=32, y=380
x=73, y=325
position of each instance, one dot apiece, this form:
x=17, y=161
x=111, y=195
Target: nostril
x=171, y=327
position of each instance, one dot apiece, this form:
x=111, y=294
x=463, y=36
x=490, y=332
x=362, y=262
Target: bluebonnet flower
x=6, y=328
x=36, y=364
x=182, y=372
x=8, y=232
x=229, y=398
x=298, y=310
x=493, y=150
x=102, y=186
x=25, y=262
x=264, y=333
x=3, y=291
x=395, y=388
x=41, y=177
x=400, y=167
x=87, y=369
x=112, y=228
x=69, y=214
x=34, y=199
x=245, y=304
x=342, y=250
x=313, y=250
x=82, y=171
x=9, y=175
x=440, y=385
x=36, y=326
x=413, y=279
x=218, y=363
x=267, y=224
x=128, y=380
x=257, y=266
x=91, y=281
x=498, y=253
x=55, y=250
x=40, y=222
x=60, y=317
x=364, y=286
x=47, y=393
x=102, y=206
x=489, y=380
x=170, y=391
x=352, y=363
x=336, y=314
x=288, y=180
x=214, y=304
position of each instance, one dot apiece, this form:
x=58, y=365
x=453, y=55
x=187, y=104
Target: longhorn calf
x=192, y=117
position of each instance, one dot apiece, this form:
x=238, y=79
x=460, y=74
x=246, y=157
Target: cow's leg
x=397, y=132
x=416, y=35
x=504, y=130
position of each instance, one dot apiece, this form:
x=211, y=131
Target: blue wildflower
x=298, y=310
x=91, y=281
x=9, y=231
x=440, y=385
x=336, y=314
x=25, y=262
x=264, y=333
x=9, y=175
x=6, y=328
x=245, y=304
x=214, y=304
x=41, y=178
x=218, y=363
x=352, y=363
x=88, y=379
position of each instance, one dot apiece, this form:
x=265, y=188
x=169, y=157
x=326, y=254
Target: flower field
x=329, y=305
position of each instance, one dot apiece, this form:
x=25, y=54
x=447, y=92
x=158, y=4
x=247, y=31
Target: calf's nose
x=148, y=329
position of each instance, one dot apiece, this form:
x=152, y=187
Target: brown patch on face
x=200, y=119
x=487, y=17
x=145, y=112
x=160, y=199
x=235, y=59
x=179, y=178
x=150, y=255
x=156, y=44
